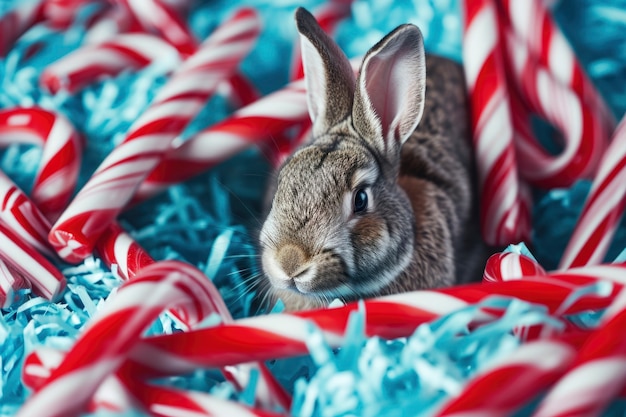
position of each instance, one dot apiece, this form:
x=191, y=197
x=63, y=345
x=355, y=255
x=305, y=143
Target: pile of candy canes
x=511, y=73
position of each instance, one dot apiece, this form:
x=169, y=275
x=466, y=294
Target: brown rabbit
x=372, y=205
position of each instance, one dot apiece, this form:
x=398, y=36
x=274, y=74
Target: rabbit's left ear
x=328, y=74
x=389, y=96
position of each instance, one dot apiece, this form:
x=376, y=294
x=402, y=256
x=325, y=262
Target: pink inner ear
x=386, y=83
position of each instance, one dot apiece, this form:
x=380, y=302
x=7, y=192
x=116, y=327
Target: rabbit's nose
x=291, y=259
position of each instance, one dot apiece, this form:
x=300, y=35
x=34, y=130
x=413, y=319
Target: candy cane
x=529, y=151
x=118, y=248
x=122, y=392
x=110, y=51
x=112, y=395
x=46, y=280
x=239, y=91
x=394, y=316
x=10, y=281
x=14, y=23
x=585, y=136
x=509, y=265
x=285, y=335
x=168, y=402
x=83, y=66
x=603, y=207
x=111, y=21
x=39, y=364
x=115, y=181
x=120, y=324
x=256, y=122
x=25, y=228
x=158, y=17
x=60, y=161
x=22, y=216
x=516, y=379
x=533, y=23
x=505, y=212
x=597, y=375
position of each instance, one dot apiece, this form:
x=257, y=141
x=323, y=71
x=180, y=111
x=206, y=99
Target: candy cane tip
x=68, y=247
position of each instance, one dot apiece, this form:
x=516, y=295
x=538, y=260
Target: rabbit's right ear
x=329, y=77
x=389, y=97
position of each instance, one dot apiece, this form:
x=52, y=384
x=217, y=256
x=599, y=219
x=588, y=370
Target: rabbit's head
x=339, y=225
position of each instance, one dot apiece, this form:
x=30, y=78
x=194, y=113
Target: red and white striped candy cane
x=530, y=153
x=285, y=335
x=60, y=162
x=598, y=374
x=395, y=316
x=113, y=184
x=121, y=392
x=47, y=281
x=108, y=23
x=158, y=17
x=23, y=217
x=92, y=62
x=603, y=207
x=39, y=364
x=14, y=23
x=282, y=335
x=123, y=255
x=239, y=91
x=257, y=122
x=10, y=281
x=508, y=384
x=268, y=393
x=106, y=341
x=162, y=401
x=118, y=248
x=389, y=317
x=532, y=22
x=111, y=396
x=505, y=206
x=110, y=50
x=585, y=136
x=506, y=266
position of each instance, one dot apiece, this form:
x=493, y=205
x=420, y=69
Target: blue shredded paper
x=210, y=221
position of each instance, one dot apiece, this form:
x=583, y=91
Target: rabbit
x=382, y=199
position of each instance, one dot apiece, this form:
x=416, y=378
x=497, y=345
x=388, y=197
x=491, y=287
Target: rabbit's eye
x=360, y=201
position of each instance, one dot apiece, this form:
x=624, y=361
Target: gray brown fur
x=424, y=214
x=437, y=172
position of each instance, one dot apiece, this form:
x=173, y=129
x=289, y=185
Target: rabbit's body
x=437, y=173
x=372, y=205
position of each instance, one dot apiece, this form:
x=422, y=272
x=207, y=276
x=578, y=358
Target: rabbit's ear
x=389, y=97
x=328, y=73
